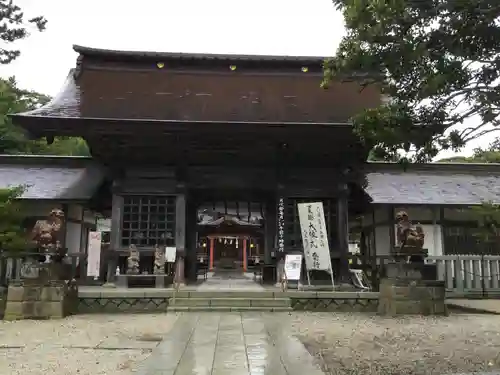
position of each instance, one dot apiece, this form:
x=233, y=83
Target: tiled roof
x=98, y=52
x=65, y=104
x=48, y=180
x=434, y=184
x=108, y=85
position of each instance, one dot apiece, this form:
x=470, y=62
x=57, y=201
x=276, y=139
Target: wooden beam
x=343, y=232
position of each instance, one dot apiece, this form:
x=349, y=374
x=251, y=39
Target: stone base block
x=31, y=301
x=159, y=281
x=411, y=297
x=409, y=271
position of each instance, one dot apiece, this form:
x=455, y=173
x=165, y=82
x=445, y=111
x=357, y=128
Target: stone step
x=226, y=309
x=230, y=302
x=221, y=293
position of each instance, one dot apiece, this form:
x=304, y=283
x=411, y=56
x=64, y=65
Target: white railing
x=468, y=275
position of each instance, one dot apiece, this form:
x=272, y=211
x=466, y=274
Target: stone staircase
x=228, y=301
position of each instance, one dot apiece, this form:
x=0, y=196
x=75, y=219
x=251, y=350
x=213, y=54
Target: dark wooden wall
x=249, y=96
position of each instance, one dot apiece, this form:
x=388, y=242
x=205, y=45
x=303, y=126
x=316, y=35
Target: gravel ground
x=343, y=343
x=83, y=344
x=368, y=344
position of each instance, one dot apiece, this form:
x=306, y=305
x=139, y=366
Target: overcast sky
x=278, y=27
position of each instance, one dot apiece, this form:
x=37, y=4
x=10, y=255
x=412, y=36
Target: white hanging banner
x=293, y=263
x=314, y=236
x=170, y=254
x=94, y=254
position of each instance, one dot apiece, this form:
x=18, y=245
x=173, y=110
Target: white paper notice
x=293, y=263
x=94, y=254
x=170, y=254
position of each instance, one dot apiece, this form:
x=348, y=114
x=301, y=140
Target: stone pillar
x=180, y=267
x=280, y=268
x=343, y=232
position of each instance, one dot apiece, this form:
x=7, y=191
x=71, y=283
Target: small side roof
x=433, y=183
x=51, y=177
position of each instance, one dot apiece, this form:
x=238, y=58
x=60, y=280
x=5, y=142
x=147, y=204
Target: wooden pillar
x=270, y=229
x=191, y=239
x=343, y=232
x=211, y=255
x=374, y=226
x=442, y=222
x=245, y=254
x=392, y=229
x=180, y=234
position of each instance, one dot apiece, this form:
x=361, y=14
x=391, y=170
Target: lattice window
x=466, y=240
x=148, y=221
x=293, y=237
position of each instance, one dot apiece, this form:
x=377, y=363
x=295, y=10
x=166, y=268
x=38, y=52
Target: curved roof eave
x=66, y=104
x=136, y=55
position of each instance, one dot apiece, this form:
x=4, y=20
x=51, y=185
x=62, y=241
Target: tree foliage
x=15, y=26
x=490, y=154
x=438, y=62
x=12, y=234
x=487, y=216
x=13, y=140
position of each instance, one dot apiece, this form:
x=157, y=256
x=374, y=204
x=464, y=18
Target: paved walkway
x=229, y=344
x=242, y=282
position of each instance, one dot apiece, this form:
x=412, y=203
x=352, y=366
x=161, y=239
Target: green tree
x=12, y=234
x=376, y=155
x=487, y=217
x=490, y=154
x=438, y=62
x=13, y=139
x=14, y=26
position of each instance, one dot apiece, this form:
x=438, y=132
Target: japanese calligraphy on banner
x=281, y=225
x=94, y=254
x=314, y=236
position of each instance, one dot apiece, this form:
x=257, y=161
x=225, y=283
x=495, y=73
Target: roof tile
x=55, y=183
x=416, y=187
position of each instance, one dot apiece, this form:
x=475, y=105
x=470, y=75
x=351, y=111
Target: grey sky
x=278, y=27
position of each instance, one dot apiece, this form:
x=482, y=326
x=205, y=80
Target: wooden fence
x=11, y=264
x=464, y=275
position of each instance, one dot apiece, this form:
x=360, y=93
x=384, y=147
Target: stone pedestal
x=31, y=300
x=3, y=300
x=44, y=293
x=179, y=268
x=406, y=289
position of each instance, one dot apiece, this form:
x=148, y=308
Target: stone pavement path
x=229, y=344
x=243, y=282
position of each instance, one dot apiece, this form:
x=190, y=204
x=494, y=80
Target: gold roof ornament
x=160, y=65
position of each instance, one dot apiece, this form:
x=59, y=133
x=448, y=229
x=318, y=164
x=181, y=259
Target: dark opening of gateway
x=230, y=234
